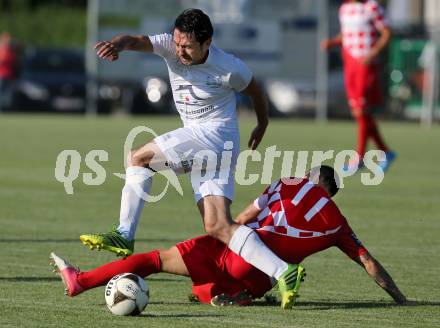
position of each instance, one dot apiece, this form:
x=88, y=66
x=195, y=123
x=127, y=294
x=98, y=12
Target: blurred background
x=48, y=47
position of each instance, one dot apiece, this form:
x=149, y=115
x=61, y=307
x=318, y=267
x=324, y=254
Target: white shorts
x=209, y=153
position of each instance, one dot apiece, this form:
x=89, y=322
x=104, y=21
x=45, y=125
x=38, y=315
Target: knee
x=212, y=229
x=139, y=158
x=134, y=159
x=218, y=231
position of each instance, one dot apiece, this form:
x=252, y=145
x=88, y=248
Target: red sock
x=362, y=135
x=141, y=264
x=374, y=133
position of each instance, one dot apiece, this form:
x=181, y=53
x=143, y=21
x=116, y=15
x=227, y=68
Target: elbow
x=386, y=35
x=240, y=220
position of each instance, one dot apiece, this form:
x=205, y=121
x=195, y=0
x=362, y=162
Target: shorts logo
x=187, y=165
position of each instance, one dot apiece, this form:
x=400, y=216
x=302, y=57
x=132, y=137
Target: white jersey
x=204, y=93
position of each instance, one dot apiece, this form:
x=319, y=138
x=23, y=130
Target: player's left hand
x=326, y=44
x=256, y=136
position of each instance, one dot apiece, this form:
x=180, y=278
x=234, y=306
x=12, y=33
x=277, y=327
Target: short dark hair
x=195, y=21
x=328, y=177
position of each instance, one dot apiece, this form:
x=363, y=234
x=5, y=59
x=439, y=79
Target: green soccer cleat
x=289, y=284
x=110, y=241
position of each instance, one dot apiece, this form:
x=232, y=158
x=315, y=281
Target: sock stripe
x=292, y=277
x=118, y=242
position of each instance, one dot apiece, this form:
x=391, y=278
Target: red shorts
x=215, y=269
x=362, y=83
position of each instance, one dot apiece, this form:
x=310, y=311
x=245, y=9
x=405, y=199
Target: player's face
x=189, y=51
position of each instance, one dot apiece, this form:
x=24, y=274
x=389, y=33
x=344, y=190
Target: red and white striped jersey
x=360, y=22
x=299, y=219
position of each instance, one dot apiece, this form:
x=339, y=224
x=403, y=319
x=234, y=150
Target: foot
x=242, y=298
x=110, y=241
x=390, y=157
x=353, y=166
x=289, y=284
x=68, y=273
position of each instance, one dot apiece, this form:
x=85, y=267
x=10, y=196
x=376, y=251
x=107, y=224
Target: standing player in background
x=294, y=219
x=204, y=80
x=9, y=62
x=364, y=34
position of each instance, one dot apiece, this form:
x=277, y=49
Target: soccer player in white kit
x=203, y=79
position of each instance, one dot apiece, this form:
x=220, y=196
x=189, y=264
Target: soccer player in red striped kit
x=294, y=217
x=364, y=35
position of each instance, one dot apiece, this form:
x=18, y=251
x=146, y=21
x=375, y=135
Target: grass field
x=398, y=221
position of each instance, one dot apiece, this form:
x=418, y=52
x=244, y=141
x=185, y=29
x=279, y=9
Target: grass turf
x=398, y=221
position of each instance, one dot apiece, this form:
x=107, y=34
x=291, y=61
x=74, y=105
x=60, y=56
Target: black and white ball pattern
x=127, y=294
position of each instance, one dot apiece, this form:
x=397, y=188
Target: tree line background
x=42, y=23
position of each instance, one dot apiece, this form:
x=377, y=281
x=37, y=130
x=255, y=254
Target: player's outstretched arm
x=376, y=271
x=259, y=103
x=110, y=49
x=336, y=41
x=249, y=214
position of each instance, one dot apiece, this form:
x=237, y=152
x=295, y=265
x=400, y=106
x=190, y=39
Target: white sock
x=246, y=243
x=134, y=194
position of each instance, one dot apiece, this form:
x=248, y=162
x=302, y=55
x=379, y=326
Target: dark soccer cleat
x=242, y=298
x=110, y=241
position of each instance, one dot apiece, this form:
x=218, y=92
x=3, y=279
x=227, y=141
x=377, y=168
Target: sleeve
x=162, y=44
x=378, y=15
x=350, y=244
x=262, y=201
x=241, y=75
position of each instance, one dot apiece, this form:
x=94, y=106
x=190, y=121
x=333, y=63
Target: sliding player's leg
x=204, y=257
x=258, y=283
x=246, y=243
x=143, y=265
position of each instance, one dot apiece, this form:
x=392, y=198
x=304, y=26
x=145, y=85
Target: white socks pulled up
x=246, y=243
x=134, y=194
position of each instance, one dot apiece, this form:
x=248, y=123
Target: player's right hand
x=107, y=50
x=326, y=44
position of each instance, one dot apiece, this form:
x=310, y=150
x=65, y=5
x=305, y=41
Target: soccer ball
x=127, y=294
